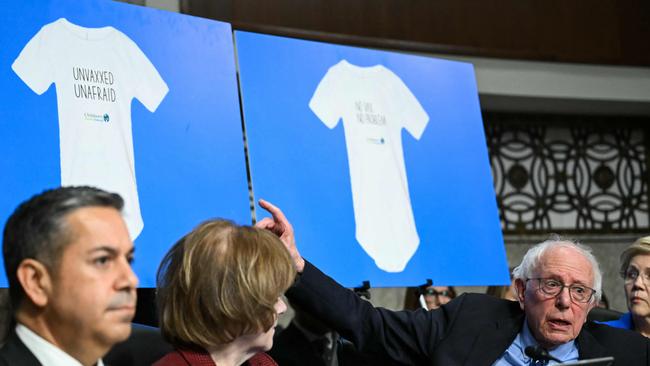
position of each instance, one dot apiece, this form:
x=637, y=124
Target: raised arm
x=279, y=225
x=403, y=336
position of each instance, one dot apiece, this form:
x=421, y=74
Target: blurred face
x=262, y=342
x=555, y=320
x=93, y=296
x=636, y=286
x=435, y=296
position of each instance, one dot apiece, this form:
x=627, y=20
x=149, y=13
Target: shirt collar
x=564, y=352
x=45, y=352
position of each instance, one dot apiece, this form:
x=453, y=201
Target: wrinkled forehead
x=566, y=264
x=89, y=228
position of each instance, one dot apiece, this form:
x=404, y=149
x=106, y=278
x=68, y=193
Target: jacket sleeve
x=407, y=337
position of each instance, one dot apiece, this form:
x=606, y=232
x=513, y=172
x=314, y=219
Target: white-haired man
x=557, y=283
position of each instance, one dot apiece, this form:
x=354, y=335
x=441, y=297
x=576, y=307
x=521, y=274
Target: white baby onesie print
x=97, y=72
x=375, y=105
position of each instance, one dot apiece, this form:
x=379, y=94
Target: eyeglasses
x=578, y=293
x=631, y=274
x=433, y=292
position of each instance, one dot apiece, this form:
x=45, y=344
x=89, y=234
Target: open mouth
x=559, y=323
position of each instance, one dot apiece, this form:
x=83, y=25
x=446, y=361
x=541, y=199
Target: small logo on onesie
x=105, y=118
x=376, y=140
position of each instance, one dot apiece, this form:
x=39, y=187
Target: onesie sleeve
x=33, y=64
x=150, y=88
x=325, y=101
x=410, y=112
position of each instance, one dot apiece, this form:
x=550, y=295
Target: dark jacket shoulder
x=14, y=352
x=600, y=340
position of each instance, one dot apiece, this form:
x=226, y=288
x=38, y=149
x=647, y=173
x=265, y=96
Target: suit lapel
x=17, y=353
x=493, y=340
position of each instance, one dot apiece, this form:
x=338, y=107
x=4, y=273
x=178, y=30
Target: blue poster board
x=351, y=142
x=183, y=118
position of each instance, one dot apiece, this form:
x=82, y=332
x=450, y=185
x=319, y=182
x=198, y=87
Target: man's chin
x=555, y=339
x=125, y=314
x=121, y=323
x=113, y=334
x=121, y=331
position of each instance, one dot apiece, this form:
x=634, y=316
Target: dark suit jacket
x=291, y=348
x=14, y=352
x=144, y=346
x=472, y=330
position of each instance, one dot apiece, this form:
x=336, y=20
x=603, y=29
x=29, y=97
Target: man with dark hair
x=67, y=255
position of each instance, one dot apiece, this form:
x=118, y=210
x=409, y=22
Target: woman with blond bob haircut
x=635, y=270
x=219, y=295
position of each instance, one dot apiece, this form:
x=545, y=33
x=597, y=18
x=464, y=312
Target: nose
x=436, y=300
x=639, y=282
x=563, y=299
x=127, y=278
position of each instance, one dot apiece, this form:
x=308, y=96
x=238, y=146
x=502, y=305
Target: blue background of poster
x=189, y=156
x=302, y=166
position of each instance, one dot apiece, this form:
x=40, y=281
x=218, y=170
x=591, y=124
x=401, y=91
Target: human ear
x=520, y=287
x=35, y=280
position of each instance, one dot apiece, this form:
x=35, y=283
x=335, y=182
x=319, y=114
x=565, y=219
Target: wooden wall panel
x=585, y=31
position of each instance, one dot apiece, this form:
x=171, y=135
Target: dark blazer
x=144, y=346
x=14, y=352
x=471, y=330
x=291, y=348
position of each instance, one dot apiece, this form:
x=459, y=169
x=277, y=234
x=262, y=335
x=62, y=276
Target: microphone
x=538, y=353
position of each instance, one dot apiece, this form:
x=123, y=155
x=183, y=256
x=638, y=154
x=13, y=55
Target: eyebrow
x=111, y=250
x=632, y=267
x=578, y=282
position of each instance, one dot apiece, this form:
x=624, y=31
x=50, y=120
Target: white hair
x=530, y=262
